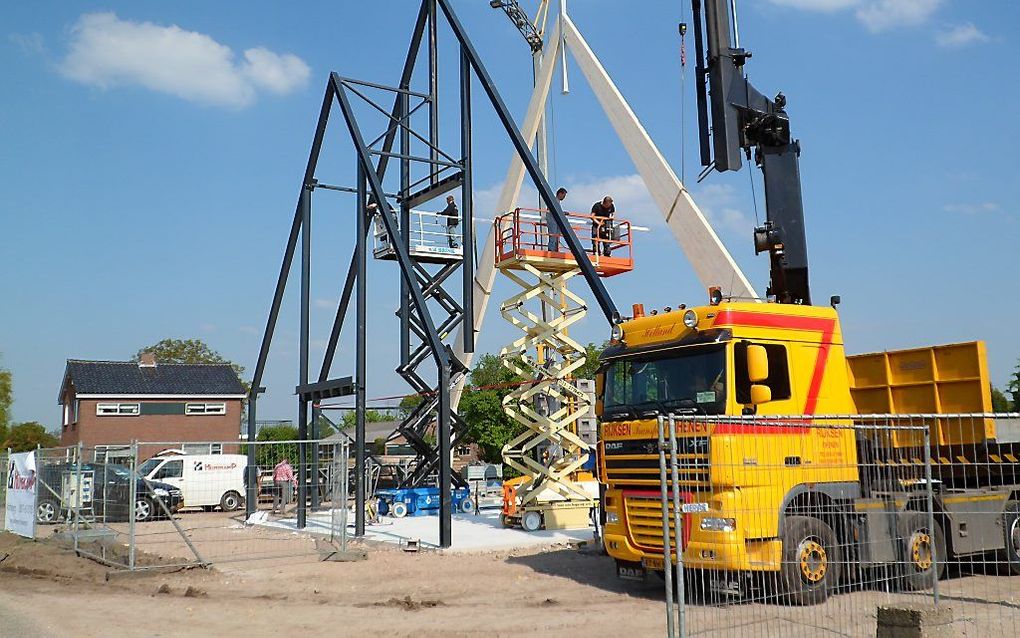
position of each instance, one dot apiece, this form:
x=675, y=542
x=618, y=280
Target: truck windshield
x=691, y=380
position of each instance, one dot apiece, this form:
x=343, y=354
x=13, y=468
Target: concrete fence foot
x=915, y=621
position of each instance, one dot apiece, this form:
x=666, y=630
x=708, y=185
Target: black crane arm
x=742, y=120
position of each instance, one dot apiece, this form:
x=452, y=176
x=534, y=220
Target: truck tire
x=231, y=501
x=811, y=560
x=1011, y=529
x=398, y=509
x=917, y=541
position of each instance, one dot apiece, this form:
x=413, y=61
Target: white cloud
x=973, y=208
x=875, y=15
x=882, y=15
x=106, y=52
x=719, y=204
x=279, y=74
x=961, y=36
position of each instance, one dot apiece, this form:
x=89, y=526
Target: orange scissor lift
x=553, y=492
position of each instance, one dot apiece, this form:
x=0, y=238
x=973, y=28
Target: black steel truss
x=423, y=298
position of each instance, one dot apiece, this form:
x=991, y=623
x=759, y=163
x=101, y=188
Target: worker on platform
x=602, y=226
x=452, y=215
x=553, y=239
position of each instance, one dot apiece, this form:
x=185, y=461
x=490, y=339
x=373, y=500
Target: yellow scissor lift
x=553, y=492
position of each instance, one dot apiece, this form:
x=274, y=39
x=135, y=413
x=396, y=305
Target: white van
x=207, y=480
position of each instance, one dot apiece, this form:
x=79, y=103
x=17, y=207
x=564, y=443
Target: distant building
x=107, y=404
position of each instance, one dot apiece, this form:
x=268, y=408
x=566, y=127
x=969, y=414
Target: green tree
x=481, y=407
x=27, y=436
x=408, y=404
x=6, y=399
x=1014, y=387
x=999, y=401
x=371, y=416
x=592, y=353
x=189, y=351
x=272, y=453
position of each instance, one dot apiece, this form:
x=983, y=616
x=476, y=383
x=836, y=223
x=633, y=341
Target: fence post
x=928, y=488
x=677, y=531
x=133, y=491
x=77, y=492
x=667, y=561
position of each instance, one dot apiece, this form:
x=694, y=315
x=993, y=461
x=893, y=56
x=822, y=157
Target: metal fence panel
x=794, y=524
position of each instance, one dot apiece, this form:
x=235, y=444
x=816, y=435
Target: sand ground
x=556, y=590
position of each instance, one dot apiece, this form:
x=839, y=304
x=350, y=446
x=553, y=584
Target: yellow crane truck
x=796, y=500
x=804, y=503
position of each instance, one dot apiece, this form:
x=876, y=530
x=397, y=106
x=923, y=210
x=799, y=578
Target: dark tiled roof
x=126, y=377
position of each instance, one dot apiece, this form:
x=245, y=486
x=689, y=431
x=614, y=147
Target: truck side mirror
x=760, y=393
x=757, y=364
x=600, y=385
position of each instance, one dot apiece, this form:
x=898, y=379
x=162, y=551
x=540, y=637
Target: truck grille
x=637, y=462
x=644, y=521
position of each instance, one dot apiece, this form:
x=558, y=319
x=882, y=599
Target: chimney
x=147, y=360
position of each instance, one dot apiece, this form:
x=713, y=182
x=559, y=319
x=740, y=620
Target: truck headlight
x=159, y=491
x=612, y=517
x=691, y=319
x=616, y=334
x=718, y=524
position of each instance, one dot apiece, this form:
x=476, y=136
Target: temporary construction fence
x=153, y=505
x=796, y=524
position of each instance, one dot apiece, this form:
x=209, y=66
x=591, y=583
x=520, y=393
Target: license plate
x=653, y=563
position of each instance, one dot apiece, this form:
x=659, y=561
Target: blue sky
x=152, y=153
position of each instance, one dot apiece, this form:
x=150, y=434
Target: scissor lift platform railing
x=523, y=237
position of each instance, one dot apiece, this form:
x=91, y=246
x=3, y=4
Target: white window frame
x=205, y=409
x=215, y=448
x=118, y=409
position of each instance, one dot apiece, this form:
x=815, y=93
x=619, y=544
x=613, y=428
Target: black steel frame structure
x=423, y=298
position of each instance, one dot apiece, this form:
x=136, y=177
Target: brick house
x=106, y=404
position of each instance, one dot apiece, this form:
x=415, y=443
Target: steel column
x=360, y=358
x=306, y=282
x=433, y=89
x=467, y=206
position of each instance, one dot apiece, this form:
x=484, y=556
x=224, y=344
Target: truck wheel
x=230, y=501
x=917, y=542
x=398, y=509
x=1011, y=529
x=467, y=506
x=811, y=562
x=143, y=509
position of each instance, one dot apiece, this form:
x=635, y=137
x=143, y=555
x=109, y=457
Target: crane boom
x=533, y=31
x=742, y=120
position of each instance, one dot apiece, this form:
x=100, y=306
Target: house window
x=117, y=409
x=206, y=408
x=215, y=448
x=463, y=450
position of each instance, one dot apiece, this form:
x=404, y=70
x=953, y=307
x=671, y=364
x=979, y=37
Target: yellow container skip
x=943, y=379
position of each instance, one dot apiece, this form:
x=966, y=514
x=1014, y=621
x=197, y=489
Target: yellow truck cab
x=784, y=499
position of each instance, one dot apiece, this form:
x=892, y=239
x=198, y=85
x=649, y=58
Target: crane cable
x=683, y=101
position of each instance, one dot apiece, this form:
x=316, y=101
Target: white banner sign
x=19, y=514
